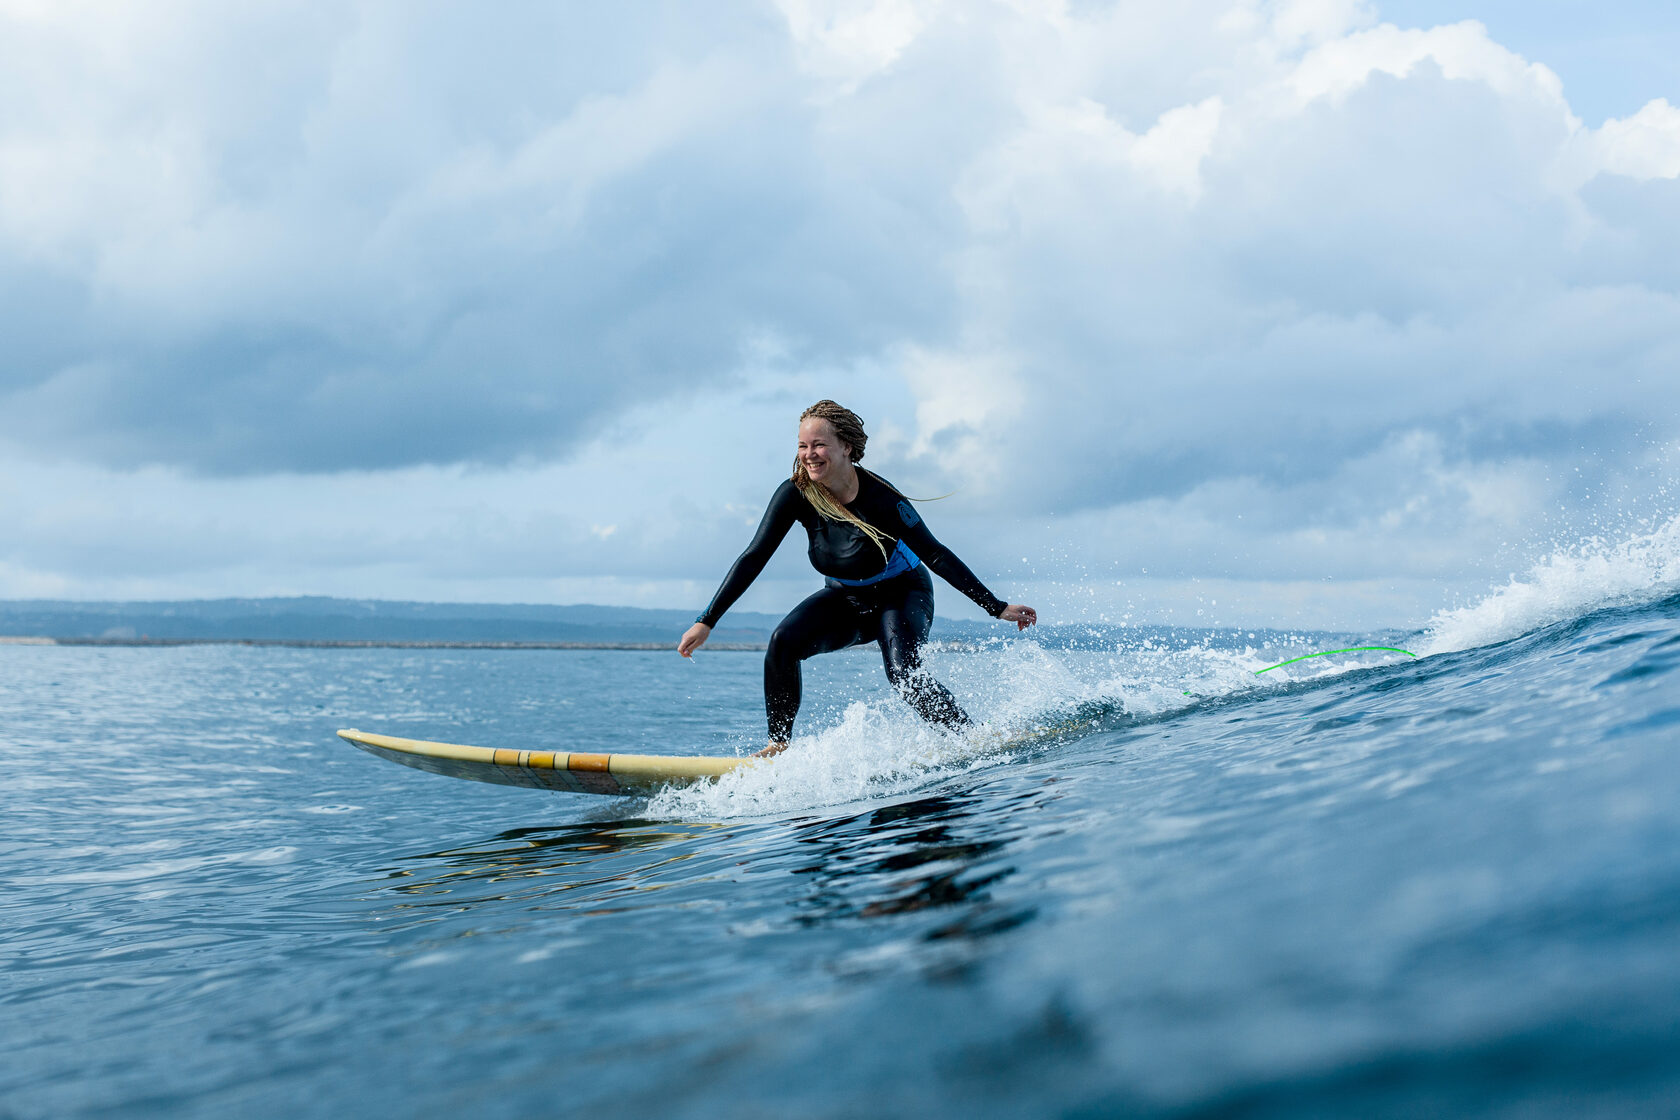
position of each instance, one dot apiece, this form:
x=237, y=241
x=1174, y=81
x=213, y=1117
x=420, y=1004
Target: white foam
x=870, y=753
x=1153, y=682
x=1566, y=584
x=882, y=748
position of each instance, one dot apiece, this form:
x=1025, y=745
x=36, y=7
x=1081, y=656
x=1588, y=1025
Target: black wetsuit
x=865, y=598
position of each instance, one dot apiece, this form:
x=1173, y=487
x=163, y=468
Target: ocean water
x=1361, y=885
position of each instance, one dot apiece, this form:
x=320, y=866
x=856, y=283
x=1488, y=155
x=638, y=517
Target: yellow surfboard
x=624, y=774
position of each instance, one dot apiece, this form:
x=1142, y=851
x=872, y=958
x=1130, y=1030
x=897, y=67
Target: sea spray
x=880, y=748
x=1565, y=584
x=1023, y=697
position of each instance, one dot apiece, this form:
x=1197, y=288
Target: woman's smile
x=817, y=447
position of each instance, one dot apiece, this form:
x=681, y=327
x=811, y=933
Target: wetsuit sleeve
x=778, y=519
x=943, y=561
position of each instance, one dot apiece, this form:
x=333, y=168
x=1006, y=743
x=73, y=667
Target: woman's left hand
x=1021, y=616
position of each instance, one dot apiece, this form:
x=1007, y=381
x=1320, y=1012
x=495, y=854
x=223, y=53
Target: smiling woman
x=871, y=544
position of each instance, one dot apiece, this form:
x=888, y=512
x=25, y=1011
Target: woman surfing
x=869, y=542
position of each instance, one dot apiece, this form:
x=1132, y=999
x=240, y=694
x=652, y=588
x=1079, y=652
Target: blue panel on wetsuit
x=911, y=518
x=901, y=561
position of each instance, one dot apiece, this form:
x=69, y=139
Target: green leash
x=1327, y=653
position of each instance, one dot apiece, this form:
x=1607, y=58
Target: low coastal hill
x=319, y=619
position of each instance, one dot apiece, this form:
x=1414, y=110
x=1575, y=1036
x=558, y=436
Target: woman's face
x=821, y=452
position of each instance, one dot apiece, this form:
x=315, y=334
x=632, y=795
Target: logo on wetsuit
x=911, y=519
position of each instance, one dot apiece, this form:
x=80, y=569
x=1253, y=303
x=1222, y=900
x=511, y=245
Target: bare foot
x=772, y=750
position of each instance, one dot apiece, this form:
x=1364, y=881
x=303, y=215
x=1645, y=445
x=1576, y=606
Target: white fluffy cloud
x=1643, y=146
x=1375, y=289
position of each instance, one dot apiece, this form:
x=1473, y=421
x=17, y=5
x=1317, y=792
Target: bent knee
x=784, y=647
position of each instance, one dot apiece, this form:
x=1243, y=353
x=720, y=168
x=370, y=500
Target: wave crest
x=1566, y=584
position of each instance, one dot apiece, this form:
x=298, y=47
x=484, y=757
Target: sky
x=1317, y=313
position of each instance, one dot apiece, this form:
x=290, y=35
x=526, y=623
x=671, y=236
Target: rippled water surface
x=1449, y=884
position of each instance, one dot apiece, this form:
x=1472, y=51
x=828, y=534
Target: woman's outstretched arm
x=954, y=572
x=779, y=517
x=945, y=563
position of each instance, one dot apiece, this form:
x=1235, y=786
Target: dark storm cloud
x=450, y=240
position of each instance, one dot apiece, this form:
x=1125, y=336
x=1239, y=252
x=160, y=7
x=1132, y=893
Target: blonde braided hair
x=848, y=429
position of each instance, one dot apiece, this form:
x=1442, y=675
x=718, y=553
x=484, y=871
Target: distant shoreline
x=318, y=622
x=368, y=643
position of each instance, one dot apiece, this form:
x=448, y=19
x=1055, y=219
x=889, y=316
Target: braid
x=848, y=429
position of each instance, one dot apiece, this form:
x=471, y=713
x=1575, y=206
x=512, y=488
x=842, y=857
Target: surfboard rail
x=567, y=771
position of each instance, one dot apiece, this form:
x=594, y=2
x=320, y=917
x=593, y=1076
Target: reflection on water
x=939, y=853
x=571, y=851
x=934, y=853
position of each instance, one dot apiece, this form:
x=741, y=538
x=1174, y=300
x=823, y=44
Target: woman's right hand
x=694, y=639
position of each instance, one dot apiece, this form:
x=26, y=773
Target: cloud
x=1460, y=51
x=1392, y=232
x=1113, y=264
x=442, y=238
x=1643, y=146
